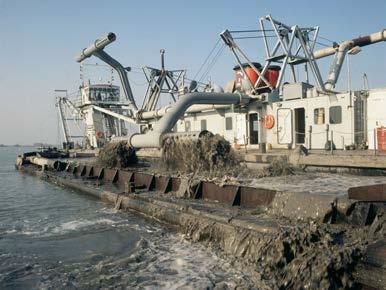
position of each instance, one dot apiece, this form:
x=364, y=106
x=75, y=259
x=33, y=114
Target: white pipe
x=114, y=114
x=97, y=45
x=51, y=163
x=360, y=41
x=340, y=54
x=193, y=109
x=152, y=139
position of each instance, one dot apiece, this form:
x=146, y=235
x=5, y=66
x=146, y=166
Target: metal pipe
x=63, y=121
x=97, y=45
x=360, y=41
x=340, y=52
x=337, y=63
x=114, y=114
x=96, y=49
x=40, y=161
x=152, y=139
x=193, y=109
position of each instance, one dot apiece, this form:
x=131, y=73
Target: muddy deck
x=253, y=221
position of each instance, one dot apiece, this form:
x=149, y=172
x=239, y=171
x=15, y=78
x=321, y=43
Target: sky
x=40, y=39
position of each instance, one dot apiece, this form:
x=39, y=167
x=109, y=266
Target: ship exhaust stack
x=340, y=52
x=96, y=49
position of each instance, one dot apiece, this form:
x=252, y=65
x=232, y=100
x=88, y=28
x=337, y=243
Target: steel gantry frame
x=157, y=79
x=294, y=45
x=67, y=108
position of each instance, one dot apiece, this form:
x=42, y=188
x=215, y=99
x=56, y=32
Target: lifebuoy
x=269, y=121
x=99, y=134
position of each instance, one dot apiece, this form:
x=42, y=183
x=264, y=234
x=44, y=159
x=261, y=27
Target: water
x=52, y=237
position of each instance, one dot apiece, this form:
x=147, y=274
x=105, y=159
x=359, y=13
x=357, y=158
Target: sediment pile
x=208, y=154
x=278, y=167
x=300, y=255
x=117, y=154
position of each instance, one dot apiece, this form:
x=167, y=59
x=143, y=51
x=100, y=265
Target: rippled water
x=52, y=237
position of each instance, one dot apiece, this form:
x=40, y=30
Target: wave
x=79, y=224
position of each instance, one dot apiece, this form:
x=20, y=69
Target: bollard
x=332, y=142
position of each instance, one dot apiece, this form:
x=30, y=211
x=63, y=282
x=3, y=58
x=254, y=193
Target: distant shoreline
x=19, y=146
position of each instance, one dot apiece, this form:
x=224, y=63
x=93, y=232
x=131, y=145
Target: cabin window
x=187, y=126
x=319, y=116
x=300, y=125
x=203, y=125
x=335, y=115
x=228, y=123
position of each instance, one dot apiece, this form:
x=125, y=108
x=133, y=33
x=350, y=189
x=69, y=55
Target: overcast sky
x=40, y=39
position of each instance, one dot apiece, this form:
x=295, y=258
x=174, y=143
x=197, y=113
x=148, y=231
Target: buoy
x=269, y=121
x=99, y=134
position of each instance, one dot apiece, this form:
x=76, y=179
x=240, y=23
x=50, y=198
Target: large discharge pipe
x=340, y=52
x=152, y=139
x=96, y=49
x=98, y=44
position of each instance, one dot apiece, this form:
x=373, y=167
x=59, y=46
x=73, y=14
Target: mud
x=117, y=154
x=283, y=253
x=278, y=167
x=300, y=255
x=209, y=154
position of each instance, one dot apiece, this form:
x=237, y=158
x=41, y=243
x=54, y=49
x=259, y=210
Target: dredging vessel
x=276, y=225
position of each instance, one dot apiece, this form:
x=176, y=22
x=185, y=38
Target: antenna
x=365, y=82
x=81, y=73
x=162, y=51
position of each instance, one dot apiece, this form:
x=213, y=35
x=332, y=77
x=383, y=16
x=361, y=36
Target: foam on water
x=79, y=224
x=51, y=237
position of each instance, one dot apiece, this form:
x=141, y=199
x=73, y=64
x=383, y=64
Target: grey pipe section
x=340, y=54
x=193, y=109
x=337, y=63
x=96, y=49
x=41, y=161
x=98, y=44
x=360, y=41
x=122, y=76
x=152, y=139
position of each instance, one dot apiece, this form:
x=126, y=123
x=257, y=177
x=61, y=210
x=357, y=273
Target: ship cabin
x=300, y=116
x=100, y=94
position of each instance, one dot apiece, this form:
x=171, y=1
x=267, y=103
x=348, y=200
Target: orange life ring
x=99, y=134
x=269, y=121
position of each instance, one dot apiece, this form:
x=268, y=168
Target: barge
x=274, y=226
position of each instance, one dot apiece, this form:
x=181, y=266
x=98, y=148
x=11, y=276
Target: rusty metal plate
x=161, y=183
x=89, y=171
x=80, y=170
x=124, y=177
x=109, y=174
x=376, y=192
x=224, y=194
x=176, y=182
x=252, y=197
x=97, y=170
x=142, y=179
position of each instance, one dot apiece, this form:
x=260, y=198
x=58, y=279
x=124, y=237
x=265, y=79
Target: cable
x=247, y=37
x=210, y=66
x=252, y=30
x=322, y=44
x=137, y=84
x=207, y=58
x=326, y=39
